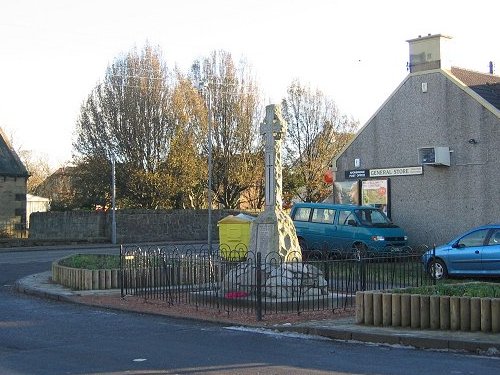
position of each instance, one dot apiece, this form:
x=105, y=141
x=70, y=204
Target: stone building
x=430, y=154
x=13, y=184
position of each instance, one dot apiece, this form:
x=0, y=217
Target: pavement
x=344, y=329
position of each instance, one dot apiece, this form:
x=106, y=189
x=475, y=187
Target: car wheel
x=359, y=250
x=303, y=248
x=302, y=244
x=314, y=256
x=437, y=269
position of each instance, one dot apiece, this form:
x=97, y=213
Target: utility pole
x=210, y=167
x=113, y=203
x=206, y=90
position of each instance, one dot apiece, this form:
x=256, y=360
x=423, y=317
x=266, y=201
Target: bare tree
x=37, y=166
x=129, y=118
x=316, y=133
x=231, y=97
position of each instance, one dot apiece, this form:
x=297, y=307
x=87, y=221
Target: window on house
x=20, y=197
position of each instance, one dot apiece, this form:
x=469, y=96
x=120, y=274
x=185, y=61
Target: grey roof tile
x=10, y=164
x=485, y=85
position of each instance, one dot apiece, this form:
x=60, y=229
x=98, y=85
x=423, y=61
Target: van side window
x=345, y=216
x=302, y=214
x=323, y=215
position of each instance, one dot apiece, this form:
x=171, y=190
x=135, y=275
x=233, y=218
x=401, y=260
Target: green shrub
x=5, y=234
x=474, y=289
x=92, y=261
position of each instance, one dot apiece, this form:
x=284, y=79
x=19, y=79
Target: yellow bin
x=234, y=236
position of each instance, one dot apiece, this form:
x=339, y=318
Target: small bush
x=4, y=233
x=476, y=289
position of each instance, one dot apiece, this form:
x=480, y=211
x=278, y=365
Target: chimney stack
x=429, y=52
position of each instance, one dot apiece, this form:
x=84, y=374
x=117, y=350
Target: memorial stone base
x=273, y=232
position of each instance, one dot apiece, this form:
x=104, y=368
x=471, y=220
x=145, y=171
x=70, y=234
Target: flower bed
x=85, y=279
x=428, y=312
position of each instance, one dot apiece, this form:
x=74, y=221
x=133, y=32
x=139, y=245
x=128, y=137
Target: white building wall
x=35, y=204
x=443, y=201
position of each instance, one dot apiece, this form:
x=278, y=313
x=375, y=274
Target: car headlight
x=378, y=238
x=406, y=238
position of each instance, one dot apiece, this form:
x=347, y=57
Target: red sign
x=328, y=177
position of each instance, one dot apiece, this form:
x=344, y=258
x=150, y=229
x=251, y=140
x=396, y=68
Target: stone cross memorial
x=273, y=230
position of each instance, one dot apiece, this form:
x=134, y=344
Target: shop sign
x=401, y=171
x=357, y=173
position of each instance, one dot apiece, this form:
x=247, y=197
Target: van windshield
x=373, y=218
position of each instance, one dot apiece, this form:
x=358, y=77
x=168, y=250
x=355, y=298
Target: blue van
x=331, y=228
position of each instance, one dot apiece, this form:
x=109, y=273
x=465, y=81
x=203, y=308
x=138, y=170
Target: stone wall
x=131, y=225
x=69, y=225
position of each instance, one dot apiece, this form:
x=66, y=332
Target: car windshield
x=373, y=218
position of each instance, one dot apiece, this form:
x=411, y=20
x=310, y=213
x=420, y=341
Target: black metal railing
x=262, y=285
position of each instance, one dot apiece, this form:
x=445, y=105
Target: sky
x=54, y=52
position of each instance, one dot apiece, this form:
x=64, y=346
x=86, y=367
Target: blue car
x=473, y=253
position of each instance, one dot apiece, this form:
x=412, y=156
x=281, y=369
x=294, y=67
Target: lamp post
x=333, y=182
x=204, y=88
x=209, y=193
x=113, y=200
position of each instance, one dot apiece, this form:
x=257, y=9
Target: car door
x=344, y=236
x=322, y=228
x=465, y=255
x=490, y=256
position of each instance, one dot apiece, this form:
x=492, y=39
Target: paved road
x=47, y=337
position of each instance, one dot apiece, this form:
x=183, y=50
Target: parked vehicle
x=331, y=228
x=473, y=253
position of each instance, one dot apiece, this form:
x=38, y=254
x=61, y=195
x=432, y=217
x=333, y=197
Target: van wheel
x=314, y=256
x=302, y=244
x=359, y=250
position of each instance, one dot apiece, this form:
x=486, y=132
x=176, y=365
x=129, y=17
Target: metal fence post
x=121, y=271
x=362, y=273
x=434, y=266
x=258, y=278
